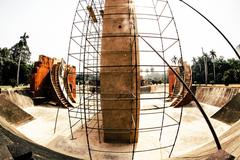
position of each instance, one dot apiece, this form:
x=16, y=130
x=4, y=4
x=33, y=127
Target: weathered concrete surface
x=120, y=74
x=216, y=95
x=193, y=132
x=17, y=144
x=13, y=113
x=230, y=142
x=4, y=152
x=18, y=97
x=230, y=112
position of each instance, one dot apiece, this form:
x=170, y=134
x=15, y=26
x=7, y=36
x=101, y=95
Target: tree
x=194, y=60
x=213, y=56
x=15, y=60
x=21, y=53
x=21, y=50
x=174, y=60
x=147, y=71
x=5, y=53
x=152, y=69
x=194, y=69
x=226, y=71
x=205, y=59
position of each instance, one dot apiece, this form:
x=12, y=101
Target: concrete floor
x=193, y=133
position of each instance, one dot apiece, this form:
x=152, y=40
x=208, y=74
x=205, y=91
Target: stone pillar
x=120, y=74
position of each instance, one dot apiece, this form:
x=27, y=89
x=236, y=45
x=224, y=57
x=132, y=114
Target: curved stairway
x=55, y=74
x=67, y=86
x=183, y=96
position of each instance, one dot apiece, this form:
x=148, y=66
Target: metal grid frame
x=85, y=50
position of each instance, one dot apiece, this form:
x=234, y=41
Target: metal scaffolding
x=157, y=38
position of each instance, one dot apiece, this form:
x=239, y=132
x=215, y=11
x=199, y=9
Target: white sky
x=48, y=23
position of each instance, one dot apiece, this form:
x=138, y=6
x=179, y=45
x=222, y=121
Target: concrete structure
x=171, y=81
x=216, y=95
x=230, y=112
x=120, y=75
x=40, y=76
x=177, y=91
x=40, y=83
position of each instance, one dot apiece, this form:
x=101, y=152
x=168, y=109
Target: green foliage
x=9, y=58
x=154, y=78
x=220, y=71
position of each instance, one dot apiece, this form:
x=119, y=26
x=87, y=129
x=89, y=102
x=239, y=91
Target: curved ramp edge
x=230, y=112
x=18, y=144
x=230, y=142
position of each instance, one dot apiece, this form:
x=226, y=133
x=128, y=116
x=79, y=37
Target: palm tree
x=194, y=60
x=174, y=60
x=205, y=58
x=194, y=68
x=213, y=56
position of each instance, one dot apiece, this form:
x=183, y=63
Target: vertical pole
x=18, y=70
x=205, y=67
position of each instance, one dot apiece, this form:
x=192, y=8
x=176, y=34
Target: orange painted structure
x=40, y=76
x=40, y=83
x=171, y=81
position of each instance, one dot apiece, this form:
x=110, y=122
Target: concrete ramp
x=13, y=113
x=230, y=112
x=230, y=142
x=14, y=146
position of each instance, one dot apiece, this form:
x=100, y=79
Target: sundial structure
x=114, y=44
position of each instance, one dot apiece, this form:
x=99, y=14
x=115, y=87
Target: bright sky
x=48, y=23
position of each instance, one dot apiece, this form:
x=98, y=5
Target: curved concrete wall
x=216, y=95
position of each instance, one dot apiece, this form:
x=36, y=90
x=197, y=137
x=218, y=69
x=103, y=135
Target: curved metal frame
x=235, y=51
x=220, y=32
x=85, y=46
